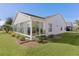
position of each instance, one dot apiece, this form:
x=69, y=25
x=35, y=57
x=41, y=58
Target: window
x=17, y=27
x=61, y=28
x=14, y=27
x=28, y=29
x=50, y=27
x=41, y=28
x=21, y=27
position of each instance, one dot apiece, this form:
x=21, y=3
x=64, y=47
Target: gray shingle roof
x=32, y=15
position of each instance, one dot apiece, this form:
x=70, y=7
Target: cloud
x=2, y=23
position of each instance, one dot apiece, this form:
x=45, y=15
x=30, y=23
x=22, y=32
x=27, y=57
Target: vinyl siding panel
x=58, y=25
x=21, y=18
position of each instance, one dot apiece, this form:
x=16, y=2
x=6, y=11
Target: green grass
x=67, y=44
x=67, y=38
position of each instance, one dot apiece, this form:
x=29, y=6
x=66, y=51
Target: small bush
x=50, y=36
x=39, y=41
x=22, y=38
x=17, y=36
x=42, y=39
x=13, y=34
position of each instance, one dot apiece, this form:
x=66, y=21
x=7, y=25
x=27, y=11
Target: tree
x=77, y=22
x=7, y=26
x=9, y=21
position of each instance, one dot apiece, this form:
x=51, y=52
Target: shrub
x=22, y=38
x=13, y=34
x=39, y=41
x=17, y=36
x=42, y=39
x=7, y=27
x=50, y=36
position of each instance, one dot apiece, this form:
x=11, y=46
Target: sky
x=2, y=22
x=70, y=11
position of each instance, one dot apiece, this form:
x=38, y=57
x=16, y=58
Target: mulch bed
x=27, y=43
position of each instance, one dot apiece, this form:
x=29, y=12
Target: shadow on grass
x=67, y=38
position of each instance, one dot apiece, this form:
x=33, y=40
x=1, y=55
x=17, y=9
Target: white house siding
x=23, y=21
x=57, y=22
x=20, y=17
x=21, y=24
x=37, y=19
x=40, y=23
x=69, y=24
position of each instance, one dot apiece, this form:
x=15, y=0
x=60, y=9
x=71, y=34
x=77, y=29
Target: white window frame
x=50, y=27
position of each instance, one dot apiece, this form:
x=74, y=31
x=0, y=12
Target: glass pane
x=50, y=27
x=28, y=29
x=35, y=28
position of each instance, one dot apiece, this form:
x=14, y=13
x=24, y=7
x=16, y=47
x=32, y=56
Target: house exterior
x=32, y=25
x=57, y=24
x=69, y=26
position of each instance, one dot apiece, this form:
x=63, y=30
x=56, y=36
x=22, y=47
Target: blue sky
x=69, y=11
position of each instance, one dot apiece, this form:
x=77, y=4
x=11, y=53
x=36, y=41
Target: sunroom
x=30, y=29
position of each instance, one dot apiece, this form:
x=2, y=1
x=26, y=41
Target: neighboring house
x=32, y=26
x=69, y=26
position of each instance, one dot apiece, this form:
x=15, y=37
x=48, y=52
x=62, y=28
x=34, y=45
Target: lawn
x=66, y=44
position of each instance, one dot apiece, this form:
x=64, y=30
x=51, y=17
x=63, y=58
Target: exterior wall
x=57, y=22
x=21, y=23
x=37, y=19
x=21, y=18
x=69, y=24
